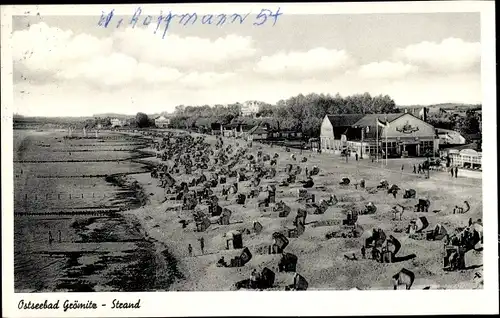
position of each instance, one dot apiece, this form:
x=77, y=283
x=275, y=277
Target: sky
x=71, y=66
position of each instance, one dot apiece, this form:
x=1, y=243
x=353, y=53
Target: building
x=235, y=129
x=257, y=133
x=285, y=134
x=250, y=108
x=450, y=137
x=162, y=122
x=417, y=111
x=115, y=122
x=464, y=156
x=406, y=135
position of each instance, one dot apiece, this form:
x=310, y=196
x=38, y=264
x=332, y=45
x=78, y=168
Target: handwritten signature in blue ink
x=186, y=18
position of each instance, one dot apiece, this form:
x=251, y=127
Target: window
x=426, y=146
x=391, y=147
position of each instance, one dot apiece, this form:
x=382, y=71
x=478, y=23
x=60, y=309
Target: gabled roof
x=257, y=130
x=371, y=119
x=361, y=120
x=344, y=120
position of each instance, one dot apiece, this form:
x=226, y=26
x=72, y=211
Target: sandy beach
x=321, y=261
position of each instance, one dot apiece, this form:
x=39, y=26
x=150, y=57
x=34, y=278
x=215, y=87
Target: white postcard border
x=270, y=303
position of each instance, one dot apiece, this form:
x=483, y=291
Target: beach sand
x=320, y=261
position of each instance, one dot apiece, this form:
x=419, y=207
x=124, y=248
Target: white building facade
x=406, y=135
x=115, y=122
x=250, y=108
x=162, y=122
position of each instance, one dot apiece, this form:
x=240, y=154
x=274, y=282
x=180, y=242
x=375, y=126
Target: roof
x=371, y=119
x=161, y=118
x=238, y=127
x=361, y=120
x=451, y=135
x=472, y=146
x=344, y=120
x=443, y=131
x=257, y=130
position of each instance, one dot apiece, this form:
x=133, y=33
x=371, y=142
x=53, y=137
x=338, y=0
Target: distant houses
x=257, y=133
x=162, y=122
x=450, y=137
x=115, y=122
x=419, y=112
x=285, y=134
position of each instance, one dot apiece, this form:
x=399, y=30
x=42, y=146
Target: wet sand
x=88, y=251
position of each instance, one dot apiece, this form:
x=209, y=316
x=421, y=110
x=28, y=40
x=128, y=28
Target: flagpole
x=385, y=145
x=385, y=131
x=362, y=135
x=376, y=127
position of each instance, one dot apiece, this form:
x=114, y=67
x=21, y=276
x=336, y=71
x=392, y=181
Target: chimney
x=406, y=110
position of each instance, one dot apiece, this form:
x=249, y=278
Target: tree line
x=466, y=124
x=303, y=113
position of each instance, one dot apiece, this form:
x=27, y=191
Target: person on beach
x=202, y=245
x=363, y=252
x=59, y=234
x=190, y=250
x=419, y=168
x=414, y=169
x=253, y=279
x=456, y=172
x=356, y=157
x=402, y=167
x=51, y=239
x=451, y=171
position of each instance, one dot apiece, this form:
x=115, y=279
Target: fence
x=74, y=196
x=93, y=212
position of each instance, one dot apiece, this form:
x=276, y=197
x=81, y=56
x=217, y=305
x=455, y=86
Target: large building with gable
x=407, y=135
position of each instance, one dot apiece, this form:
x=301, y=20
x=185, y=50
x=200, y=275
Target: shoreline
x=124, y=266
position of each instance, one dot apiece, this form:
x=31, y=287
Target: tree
x=265, y=110
x=142, y=120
